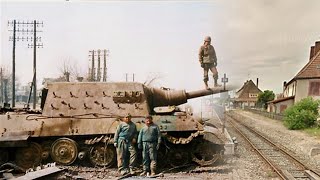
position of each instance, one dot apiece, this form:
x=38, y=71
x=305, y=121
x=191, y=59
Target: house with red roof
x=305, y=83
x=247, y=95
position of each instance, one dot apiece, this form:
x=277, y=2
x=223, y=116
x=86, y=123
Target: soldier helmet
x=207, y=38
x=128, y=115
x=149, y=117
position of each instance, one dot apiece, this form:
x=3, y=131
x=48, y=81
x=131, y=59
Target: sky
x=265, y=39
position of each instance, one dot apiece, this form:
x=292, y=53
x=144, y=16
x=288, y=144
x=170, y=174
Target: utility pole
x=99, y=70
x=34, y=24
x=5, y=81
x=105, y=54
x=127, y=76
x=13, y=38
x=34, y=46
x=92, y=75
x=93, y=71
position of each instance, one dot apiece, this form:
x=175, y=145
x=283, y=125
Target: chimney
x=284, y=85
x=311, y=52
x=257, y=82
x=317, y=47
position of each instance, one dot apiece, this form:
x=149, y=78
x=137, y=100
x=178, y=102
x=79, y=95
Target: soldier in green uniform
x=124, y=141
x=149, y=140
x=208, y=60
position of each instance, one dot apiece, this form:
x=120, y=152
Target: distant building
x=247, y=95
x=305, y=83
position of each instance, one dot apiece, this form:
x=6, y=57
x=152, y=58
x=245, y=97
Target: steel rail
x=282, y=150
x=258, y=151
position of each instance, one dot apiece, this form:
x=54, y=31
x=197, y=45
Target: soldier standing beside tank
x=124, y=141
x=208, y=60
x=149, y=140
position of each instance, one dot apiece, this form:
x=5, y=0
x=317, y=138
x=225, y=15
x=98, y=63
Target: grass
x=315, y=131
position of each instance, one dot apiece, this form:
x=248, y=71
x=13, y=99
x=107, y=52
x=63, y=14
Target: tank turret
x=69, y=99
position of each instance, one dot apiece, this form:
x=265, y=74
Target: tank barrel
x=204, y=92
x=159, y=97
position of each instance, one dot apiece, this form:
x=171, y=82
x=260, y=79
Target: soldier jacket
x=150, y=134
x=125, y=131
x=207, y=54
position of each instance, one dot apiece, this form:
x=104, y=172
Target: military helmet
x=207, y=38
x=128, y=115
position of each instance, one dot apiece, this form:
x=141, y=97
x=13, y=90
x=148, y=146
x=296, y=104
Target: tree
x=6, y=76
x=264, y=97
x=303, y=114
x=152, y=78
x=70, y=71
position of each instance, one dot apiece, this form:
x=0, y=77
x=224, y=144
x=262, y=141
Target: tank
x=77, y=122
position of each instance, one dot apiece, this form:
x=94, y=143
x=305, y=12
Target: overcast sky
x=265, y=39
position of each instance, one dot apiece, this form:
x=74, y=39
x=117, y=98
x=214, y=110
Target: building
x=305, y=83
x=247, y=95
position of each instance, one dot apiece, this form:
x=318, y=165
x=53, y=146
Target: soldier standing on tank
x=149, y=140
x=124, y=141
x=208, y=60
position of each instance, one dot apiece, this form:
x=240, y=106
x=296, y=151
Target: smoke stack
x=257, y=82
x=311, y=52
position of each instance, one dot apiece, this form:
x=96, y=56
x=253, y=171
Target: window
x=282, y=108
x=314, y=88
x=253, y=95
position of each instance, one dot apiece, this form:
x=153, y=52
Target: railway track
x=283, y=163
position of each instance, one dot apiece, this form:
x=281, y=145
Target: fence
x=266, y=114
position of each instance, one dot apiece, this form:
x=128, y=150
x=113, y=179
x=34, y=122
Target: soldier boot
x=216, y=81
x=206, y=85
x=153, y=168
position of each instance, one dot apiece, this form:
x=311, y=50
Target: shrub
x=302, y=115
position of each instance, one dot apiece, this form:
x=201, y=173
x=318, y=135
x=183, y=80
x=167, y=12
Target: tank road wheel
x=162, y=157
x=102, y=155
x=64, y=151
x=178, y=157
x=30, y=156
x=46, y=147
x=205, y=154
x=4, y=156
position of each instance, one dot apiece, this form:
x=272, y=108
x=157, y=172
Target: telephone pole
x=13, y=23
x=98, y=69
x=105, y=54
x=127, y=75
x=92, y=74
x=33, y=24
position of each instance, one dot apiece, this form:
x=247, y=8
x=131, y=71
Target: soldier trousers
x=149, y=156
x=212, y=68
x=126, y=155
